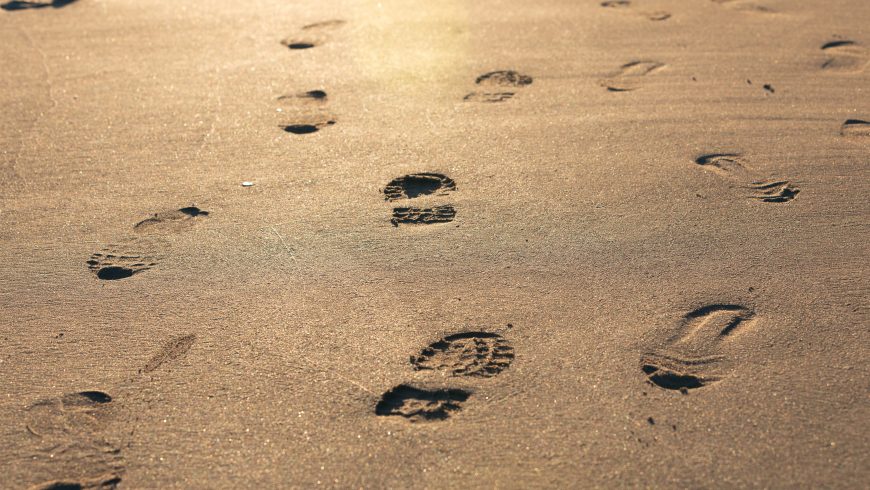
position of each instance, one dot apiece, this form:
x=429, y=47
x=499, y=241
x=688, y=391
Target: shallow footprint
x=421, y=405
x=626, y=5
x=174, y=220
x=855, y=129
x=312, y=35
x=692, y=358
x=727, y=164
x=423, y=216
x=844, y=56
x=108, y=481
x=498, y=86
x=419, y=184
x=71, y=413
x=630, y=76
x=774, y=191
x=480, y=354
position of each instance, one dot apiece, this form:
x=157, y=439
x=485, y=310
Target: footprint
x=745, y=6
x=423, y=216
x=313, y=35
x=306, y=112
x=626, y=5
x=844, y=56
x=855, y=129
x=72, y=413
x=498, y=86
x=110, y=265
x=630, y=76
x=108, y=481
x=421, y=405
x=480, y=354
x=723, y=163
x=421, y=184
x=175, y=349
x=693, y=357
x=778, y=191
x=174, y=220
x=23, y=5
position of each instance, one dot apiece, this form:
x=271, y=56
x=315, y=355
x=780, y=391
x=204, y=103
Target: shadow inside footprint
x=419, y=404
x=24, y=5
x=419, y=184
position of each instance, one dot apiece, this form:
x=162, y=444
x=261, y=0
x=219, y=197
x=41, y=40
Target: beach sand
x=621, y=244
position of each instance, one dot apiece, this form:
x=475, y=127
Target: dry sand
x=639, y=256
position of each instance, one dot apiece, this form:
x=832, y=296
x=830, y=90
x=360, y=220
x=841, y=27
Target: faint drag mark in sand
x=778, y=191
x=692, y=358
x=70, y=431
x=174, y=220
x=110, y=264
x=421, y=184
x=479, y=354
x=421, y=405
x=498, y=86
x=24, y=5
x=844, y=56
x=625, y=5
x=630, y=76
x=745, y=6
x=304, y=112
x=173, y=350
x=856, y=129
x=313, y=35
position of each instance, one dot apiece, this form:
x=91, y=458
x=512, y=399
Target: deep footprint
x=420, y=405
x=24, y=5
x=112, y=266
x=423, y=216
x=481, y=354
x=419, y=184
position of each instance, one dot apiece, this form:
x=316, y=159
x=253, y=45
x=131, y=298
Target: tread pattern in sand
x=111, y=265
x=444, y=213
x=631, y=75
x=693, y=358
x=779, y=191
x=480, y=354
x=419, y=184
x=421, y=405
x=498, y=86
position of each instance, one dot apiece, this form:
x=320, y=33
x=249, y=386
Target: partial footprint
x=24, y=5
x=312, y=35
x=421, y=405
x=174, y=220
x=855, y=129
x=311, y=97
x=69, y=430
x=480, y=354
x=746, y=6
x=844, y=56
x=111, y=265
x=307, y=125
x=630, y=76
x=173, y=350
x=776, y=191
x=693, y=358
x=423, y=216
x=107, y=481
x=498, y=86
x=726, y=164
x=626, y=5
x=420, y=184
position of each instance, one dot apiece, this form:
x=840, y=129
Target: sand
x=622, y=245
